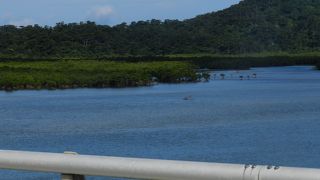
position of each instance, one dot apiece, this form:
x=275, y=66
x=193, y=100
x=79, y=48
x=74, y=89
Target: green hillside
x=261, y=25
x=252, y=26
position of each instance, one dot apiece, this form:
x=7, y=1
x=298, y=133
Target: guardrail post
x=72, y=176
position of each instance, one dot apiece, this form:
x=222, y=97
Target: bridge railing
x=75, y=167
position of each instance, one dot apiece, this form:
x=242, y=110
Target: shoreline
x=149, y=84
x=130, y=71
x=201, y=61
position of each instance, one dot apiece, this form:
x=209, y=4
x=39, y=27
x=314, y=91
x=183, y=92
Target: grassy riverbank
x=73, y=74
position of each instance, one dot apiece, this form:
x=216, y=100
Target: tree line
x=252, y=26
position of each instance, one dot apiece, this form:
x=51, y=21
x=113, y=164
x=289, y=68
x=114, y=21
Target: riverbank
x=242, y=61
x=130, y=71
x=202, y=61
x=98, y=74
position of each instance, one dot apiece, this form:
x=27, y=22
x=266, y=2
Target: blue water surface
x=271, y=119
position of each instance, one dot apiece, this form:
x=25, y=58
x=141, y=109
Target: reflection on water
x=272, y=118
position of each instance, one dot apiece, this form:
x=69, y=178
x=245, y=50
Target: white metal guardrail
x=74, y=167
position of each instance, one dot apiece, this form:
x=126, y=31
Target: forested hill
x=252, y=26
x=262, y=25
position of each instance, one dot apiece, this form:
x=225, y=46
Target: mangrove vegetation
x=98, y=74
x=211, y=61
x=201, y=61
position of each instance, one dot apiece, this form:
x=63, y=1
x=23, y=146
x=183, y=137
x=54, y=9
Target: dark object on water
x=254, y=75
x=187, y=98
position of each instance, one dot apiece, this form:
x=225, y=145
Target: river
x=273, y=118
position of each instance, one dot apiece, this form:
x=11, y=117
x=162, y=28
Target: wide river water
x=271, y=119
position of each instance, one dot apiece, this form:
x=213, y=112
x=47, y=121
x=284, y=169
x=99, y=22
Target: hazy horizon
x=106, y=12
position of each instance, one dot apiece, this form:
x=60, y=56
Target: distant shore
x=201, y=61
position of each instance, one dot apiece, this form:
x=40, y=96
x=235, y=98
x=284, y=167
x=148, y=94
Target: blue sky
x=48, y=12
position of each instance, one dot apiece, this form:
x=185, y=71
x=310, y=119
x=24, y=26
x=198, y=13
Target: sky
x=110, y=12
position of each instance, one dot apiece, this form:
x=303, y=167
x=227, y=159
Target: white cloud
x=102, y=12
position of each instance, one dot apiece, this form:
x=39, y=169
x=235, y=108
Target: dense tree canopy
x=249, y=27
x=92, y=73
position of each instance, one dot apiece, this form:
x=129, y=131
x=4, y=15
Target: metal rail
x=73, y=167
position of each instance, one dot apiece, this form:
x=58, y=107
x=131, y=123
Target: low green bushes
x=73, y=74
